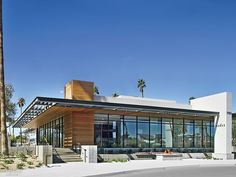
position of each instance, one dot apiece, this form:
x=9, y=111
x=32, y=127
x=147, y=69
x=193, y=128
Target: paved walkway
x=78, y=169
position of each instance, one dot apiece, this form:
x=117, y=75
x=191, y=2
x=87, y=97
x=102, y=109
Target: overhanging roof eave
x=42, y=102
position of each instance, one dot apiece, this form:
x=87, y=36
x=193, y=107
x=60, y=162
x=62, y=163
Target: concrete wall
x=44, y=153
x=89, y=153
x=22, y=149
x=221, y=103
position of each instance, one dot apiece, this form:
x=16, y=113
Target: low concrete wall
x=22, y=149
x=44, y=153
x=89, y=153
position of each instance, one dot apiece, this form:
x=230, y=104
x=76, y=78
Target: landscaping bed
x=18, y=162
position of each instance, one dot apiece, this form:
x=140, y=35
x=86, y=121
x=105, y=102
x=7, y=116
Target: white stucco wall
x=142, y=101
x=221, y=103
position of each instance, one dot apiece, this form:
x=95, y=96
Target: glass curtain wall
x=52, y=133
x=115, y=131
x=234, y=131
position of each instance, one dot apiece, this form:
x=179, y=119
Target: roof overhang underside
x=41, y=104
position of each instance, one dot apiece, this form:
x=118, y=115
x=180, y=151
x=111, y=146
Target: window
x=167, y=129
x=178, y=133
x=52, y=133
x=155, y=133
x=212, y=134
x=198, y=133
x=206, y=134
x=115, y=131
x=101, y=130
x=129, y=133
x=188, y=133
x=234, y=131
x=143, y=132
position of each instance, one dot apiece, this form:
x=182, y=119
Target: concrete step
x=63, y=155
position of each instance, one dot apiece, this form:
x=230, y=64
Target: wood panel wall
x=83, y=128
x=79, y=90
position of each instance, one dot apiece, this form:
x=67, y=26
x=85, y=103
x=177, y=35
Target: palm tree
x=191, y=98
x=141, y=86
x=4, y=143
x=21, y=103
x=115, y=94
x=95, y=90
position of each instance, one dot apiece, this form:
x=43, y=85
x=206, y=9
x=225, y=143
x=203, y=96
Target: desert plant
x=21, y=155
x=4, y=166
x=39, y=164
x=30, y=163
x=20, y=165
x=8, y=161
x=29, y=152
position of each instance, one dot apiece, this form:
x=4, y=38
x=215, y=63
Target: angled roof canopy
x=42, y=104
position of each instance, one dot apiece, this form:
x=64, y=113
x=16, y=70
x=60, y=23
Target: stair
x=63, y=155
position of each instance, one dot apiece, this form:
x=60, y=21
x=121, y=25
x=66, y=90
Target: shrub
x=4, y=166
x=39, y=164
x=119, y=160
x=8, y=161
x=30, y=163
x=21, y=156
x=31, y=167
x=20, y=165
x=29, y=152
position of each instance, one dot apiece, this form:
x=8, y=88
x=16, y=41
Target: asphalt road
x=194, y=171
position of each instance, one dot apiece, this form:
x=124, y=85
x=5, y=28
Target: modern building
x=129, y=124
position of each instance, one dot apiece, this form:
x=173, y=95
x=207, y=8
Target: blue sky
x=180, y=48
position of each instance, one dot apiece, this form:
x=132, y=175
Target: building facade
x=126, y=124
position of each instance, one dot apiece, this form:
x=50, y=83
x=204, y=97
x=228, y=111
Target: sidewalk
x=78, y=169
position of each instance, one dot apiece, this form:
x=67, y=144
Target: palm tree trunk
x=142, y=94
x=4, y=143
x=21, y=129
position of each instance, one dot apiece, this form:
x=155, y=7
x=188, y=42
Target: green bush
x=20, y=165
x=8, y=161
x=30, y=163
x=23, y=159
x=21, y=155
x=29, y=152
x=39, y=164
x=31, y=167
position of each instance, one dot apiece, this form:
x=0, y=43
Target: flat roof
x=41, y=104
